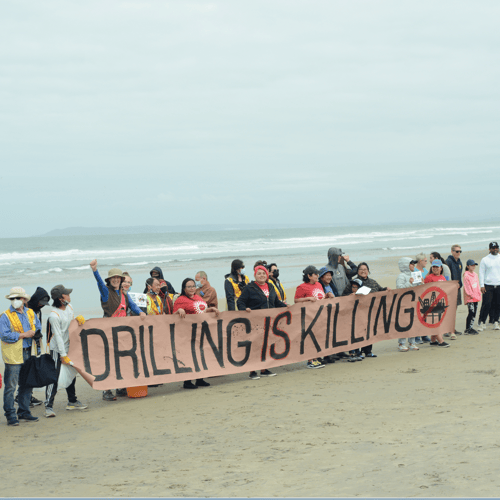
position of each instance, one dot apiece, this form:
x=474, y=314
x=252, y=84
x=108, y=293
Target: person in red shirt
x=436, y=274
x=190, y=303
x=310, y=291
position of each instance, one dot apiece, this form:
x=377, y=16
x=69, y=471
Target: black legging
x=469, y=323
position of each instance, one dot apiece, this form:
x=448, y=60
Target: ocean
x=51, y=260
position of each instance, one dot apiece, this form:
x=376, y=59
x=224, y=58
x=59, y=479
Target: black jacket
x=34, y=303
x=254, y=298
x=164, y=289
x=455, y=268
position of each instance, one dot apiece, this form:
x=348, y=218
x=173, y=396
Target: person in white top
x=489, y=281
x=58, y=335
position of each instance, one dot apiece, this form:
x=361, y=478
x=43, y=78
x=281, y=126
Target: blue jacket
x=455, y=268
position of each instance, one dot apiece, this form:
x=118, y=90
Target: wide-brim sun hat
x=17, y=291
x=115, y=273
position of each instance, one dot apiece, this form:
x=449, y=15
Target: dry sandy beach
x=404, y=424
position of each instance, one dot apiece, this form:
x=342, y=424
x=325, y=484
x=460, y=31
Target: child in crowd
x=436, y=274
x=472, y=295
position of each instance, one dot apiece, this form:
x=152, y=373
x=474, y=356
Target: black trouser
x=491, y=300
x=469, y=323
x=51, y=390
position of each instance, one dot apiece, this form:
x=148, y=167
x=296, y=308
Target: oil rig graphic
x=437, y=311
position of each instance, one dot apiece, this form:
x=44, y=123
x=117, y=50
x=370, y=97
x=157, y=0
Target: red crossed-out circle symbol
x=432, y=307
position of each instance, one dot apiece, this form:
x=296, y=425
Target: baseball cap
x=59, y=290
x=493, y=244
x=436, y=263
x=356, y=281
x=471, y=262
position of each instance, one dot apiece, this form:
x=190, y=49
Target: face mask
x=276, y=273
x=64, y=302
x=16, y=304
x=198, y=284
x=242, y=271
x=152, y=292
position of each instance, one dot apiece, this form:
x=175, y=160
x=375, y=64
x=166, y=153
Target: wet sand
x=402, y=424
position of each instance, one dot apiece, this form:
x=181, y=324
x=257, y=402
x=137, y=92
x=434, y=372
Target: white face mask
x=17, y=303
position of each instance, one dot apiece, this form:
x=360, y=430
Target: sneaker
x=13, y=422
x=49, y=413
x=413, y=347
x=457, y=332
x=370, y=355
x=121, y=392
x=496, y=327
x=314, y=364
x=202, y=383
x=189, y=385
x=329, y=359
x=425, y=338
x=403, y=348
x=434, y=343
x=107, y=396
x=267, y=373
x=352, y=359
x=77, y=405
x=342, y=355
x=254, y=375
x=443, y=344
x=473, y=332
x=28, y=418
x=480, y=327
x=35, y=402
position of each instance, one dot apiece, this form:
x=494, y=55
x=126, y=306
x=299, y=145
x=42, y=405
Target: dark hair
x=235, y=265
x=150, y=281
x=271, y=265
x=260, y=263
x=441, y=267
x=57, y=302
x=183, y=286
x=364, y=264
x=437, y=255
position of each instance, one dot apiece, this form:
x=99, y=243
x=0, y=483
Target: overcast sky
x=117, y=113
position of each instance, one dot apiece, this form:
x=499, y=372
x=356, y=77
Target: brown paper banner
x=129, y=352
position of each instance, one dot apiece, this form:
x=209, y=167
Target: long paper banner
x=128, y=352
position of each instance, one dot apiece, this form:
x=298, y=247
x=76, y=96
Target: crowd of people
x=21, y=323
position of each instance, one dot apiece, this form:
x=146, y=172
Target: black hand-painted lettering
x=408, y=310
x=247, y=344
x=282, y=334
x=156, y=370
x=126, y=352
x=267, y=324
x=329, y=308
x=84, y=334
x=178, y=369
x=308, y=332
x=217, y=350
x=334, y=331
x=372, y=302
x=194, y=327
x=386, y=319
x=354, y=339
x=143, y=351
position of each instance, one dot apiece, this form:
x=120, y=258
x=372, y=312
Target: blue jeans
x=10, y=379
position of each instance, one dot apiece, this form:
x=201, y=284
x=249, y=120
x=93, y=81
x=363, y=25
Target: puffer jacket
x=403, y=280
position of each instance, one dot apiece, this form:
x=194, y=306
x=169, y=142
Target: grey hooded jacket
x=403, y=280
x=340, y=276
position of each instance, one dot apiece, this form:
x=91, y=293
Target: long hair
x=184, y=283
x=235, y=265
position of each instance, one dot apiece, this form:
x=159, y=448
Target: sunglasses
x=457, y=251
x=16, y=298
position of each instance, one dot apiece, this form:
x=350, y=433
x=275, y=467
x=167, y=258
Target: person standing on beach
x=446, y=269
x=60, y=319
x=18, y=325
x=235, y=283
x=190, y=303
x=204, y=289
x=155, y=304
x=274, y=273
x=421, y=259
x=455, y=265
x=489, y=280
x=166, y=287
x=341, y=275
x=114, y=302
x=472, y=295
x=259, y=294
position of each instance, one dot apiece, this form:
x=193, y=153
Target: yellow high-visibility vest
x=12, y=352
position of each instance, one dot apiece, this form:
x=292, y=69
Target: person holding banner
x=190, y=303
x=235, y=283
x=155, y=305
x=259, y=295
x=274, y=272
x=18, y=325
x=435, y=275
x=60, y=319
x=310, y=291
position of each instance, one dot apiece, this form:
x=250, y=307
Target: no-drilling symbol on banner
x=432, y=307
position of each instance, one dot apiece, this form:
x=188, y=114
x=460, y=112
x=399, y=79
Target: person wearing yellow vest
x=234, y=284
x=155, y=304
x=274, y=272
x=60, y=319
x=18, y=324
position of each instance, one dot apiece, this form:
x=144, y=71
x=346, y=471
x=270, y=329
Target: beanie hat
x=261, y=268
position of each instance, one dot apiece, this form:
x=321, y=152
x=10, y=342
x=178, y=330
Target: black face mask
x=276, y=273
